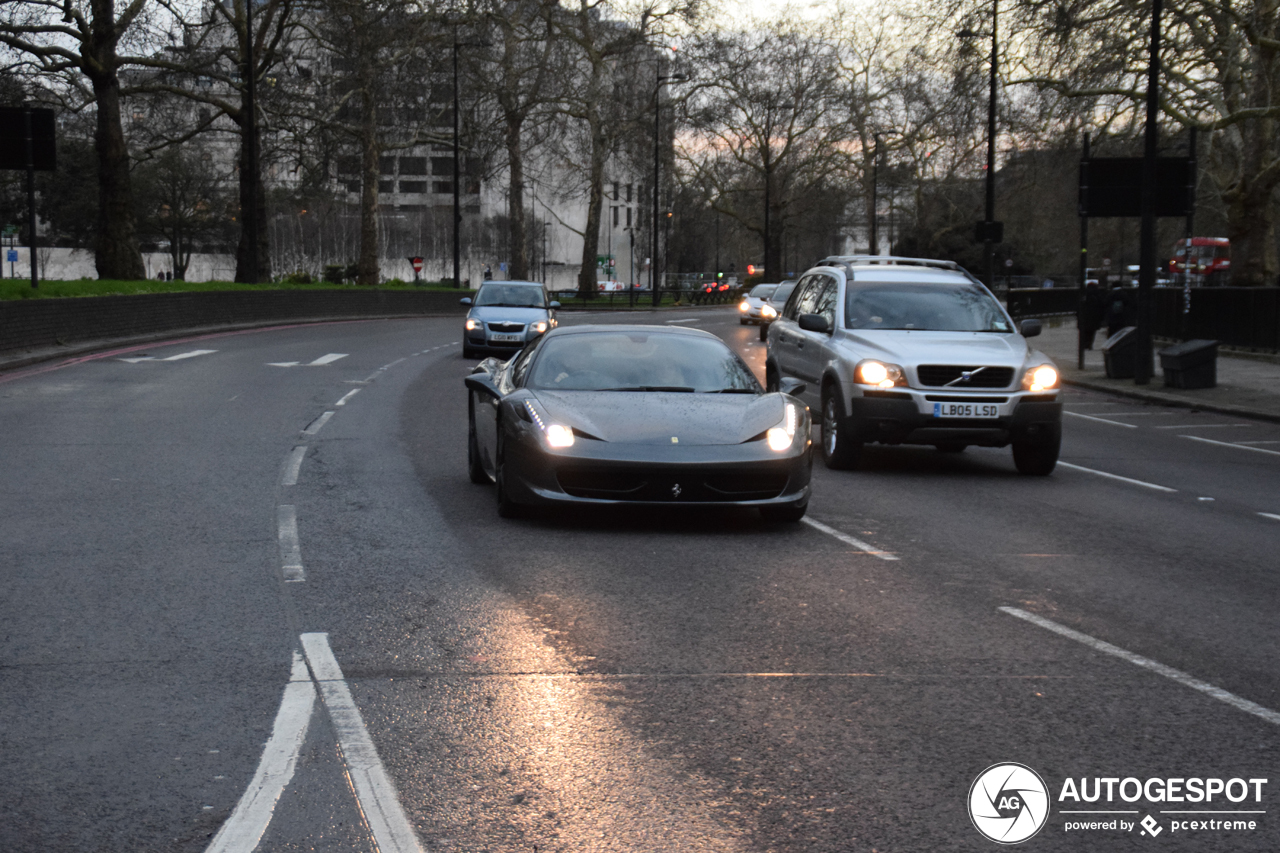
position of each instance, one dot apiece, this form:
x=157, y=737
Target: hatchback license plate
x=504, y=339
x=966, y=410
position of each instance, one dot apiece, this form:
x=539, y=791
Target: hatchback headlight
x=880, y=374
x=472, y=324
x=1042, y=378
x=780, y=437
x=744, y=306
x=540, y=326
x=767, y=311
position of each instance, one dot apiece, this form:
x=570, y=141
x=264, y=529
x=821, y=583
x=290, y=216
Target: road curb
x=1171, y=400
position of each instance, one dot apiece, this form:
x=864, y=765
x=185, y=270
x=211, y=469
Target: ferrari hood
x=656, y=417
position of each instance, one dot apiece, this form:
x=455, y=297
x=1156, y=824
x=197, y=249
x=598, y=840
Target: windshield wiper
x=680, y=388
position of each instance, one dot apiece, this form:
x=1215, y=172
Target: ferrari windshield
x=640, y=361
x=511, y=295
x=922, y=307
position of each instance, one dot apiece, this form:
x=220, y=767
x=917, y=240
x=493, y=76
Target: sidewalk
x=1246, y=387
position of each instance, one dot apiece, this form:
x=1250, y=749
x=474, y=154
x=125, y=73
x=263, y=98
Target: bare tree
x=765, y=125
x=1220, y=71
x=82, y=42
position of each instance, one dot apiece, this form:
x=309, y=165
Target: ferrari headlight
x=780, y=437
x=879, y=374
x=768, y=311
x=1041, y=378
x=540, y=326
x=557, y=435
x=744, y=306
x=472, y=324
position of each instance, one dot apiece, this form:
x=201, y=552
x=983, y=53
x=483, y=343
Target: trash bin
x=1120, y=354
x=1190, y=364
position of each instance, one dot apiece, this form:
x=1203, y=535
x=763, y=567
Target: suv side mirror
x=815, y=323
x=1029, y=328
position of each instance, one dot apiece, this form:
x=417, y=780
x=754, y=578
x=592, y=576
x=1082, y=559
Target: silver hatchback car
x=504, y=316
x=913, y=351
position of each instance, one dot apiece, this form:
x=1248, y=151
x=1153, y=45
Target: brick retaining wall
x=34, y=323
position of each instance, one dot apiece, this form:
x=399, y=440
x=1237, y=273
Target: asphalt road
x=599, y=681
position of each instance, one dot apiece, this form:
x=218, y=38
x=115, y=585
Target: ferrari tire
x=840, y=450
x=507, y=508
x=474, y=469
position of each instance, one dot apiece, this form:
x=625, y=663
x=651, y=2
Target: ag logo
x=1008, y=803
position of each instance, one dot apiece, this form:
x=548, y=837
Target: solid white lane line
x=1146, y=663
x=282, y=364
x=1269, y=515
x=1229, y=444
x=314, y=426
x=327, y=359
x=1100, y=420
x=690, y=320
x=248, y=821
x=849, y=540
x=293, y=465
x=374, y=789
x=290, y=550
x=1062, y=464
x=1258, y=442
x=1201, y=426
x=347, y=396
x=192, y=354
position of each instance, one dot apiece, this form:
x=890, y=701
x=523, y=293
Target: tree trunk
x=519, y=259
x=1251, y=200
x=116, y=253
x=367, y=267
x=595, y=201
x=252, y=192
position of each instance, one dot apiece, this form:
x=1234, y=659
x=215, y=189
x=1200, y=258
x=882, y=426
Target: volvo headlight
x=768, y=311
x=780, y=437
x=880, y=374
x=557, y=435
x=472, y=324
x=1042, y=378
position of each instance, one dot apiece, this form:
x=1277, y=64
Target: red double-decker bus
x=1202, y=256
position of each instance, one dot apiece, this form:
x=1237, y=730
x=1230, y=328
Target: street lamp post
x=657, y=150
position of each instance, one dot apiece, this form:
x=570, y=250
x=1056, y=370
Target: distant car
x=651, y=415
x=752, y=302
x=504, y=316
x=913, y=351
x=773, y=305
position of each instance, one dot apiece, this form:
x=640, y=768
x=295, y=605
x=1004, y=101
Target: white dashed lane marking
x=1100, y=420
x=290, y=549
x=1142, y=483
x=179, y=357
x=849, y=540
x=1232, y=444
x=1146, y=663
x=314, y=426
x=293, y=465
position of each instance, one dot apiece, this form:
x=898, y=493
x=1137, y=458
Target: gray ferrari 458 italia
x=642, y=415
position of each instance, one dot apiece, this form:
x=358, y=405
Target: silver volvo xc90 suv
x=914, y=351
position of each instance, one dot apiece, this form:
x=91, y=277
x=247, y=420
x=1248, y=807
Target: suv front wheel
x=839, y=448
x=1037, y=458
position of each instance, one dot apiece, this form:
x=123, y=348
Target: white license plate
x=966, y=410
x=506, y=338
